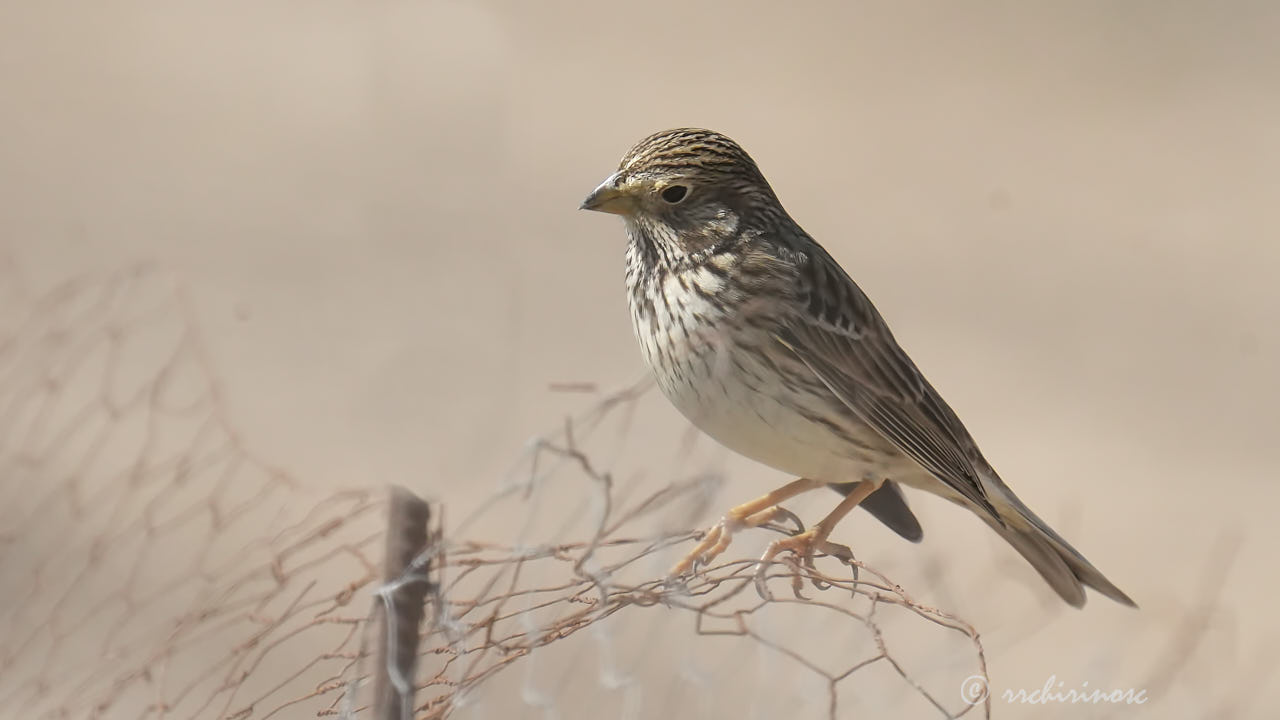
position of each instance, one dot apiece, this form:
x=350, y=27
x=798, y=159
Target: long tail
x=1065, y=569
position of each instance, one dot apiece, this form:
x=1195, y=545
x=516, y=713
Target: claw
x=804, y=547
x=703, y=552
x=837, y=551
x=804, y=543
x=717, y=539
x=760, y=578
x=801, y=545
x=758, y=512
x=786, y=515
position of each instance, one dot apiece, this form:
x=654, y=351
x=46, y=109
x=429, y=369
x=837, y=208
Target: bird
x=760, y=338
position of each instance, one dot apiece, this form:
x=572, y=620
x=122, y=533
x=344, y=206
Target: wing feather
x=841, y=338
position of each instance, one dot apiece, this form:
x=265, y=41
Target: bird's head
x=687, y=190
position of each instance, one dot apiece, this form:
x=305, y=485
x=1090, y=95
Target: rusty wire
x=154, y=566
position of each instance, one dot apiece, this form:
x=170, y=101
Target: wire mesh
x=153, y=565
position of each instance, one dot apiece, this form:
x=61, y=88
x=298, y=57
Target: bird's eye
x=674, y=193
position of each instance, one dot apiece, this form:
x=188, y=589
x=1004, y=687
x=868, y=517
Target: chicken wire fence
x=152, y=565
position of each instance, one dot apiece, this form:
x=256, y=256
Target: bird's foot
x=716, y=540
x=804, y=545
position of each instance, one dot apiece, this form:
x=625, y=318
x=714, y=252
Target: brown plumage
x=763, y=341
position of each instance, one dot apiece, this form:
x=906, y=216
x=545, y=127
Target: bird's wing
x=840, y=336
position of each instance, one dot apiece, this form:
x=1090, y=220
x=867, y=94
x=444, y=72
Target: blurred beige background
x=1068, y=211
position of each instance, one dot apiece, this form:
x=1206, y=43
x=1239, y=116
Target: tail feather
x=1062, y=566
x=889, y=507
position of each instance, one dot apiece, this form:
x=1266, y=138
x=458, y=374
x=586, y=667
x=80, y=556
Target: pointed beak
x=609, y=198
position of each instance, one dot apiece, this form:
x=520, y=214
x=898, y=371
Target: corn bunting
x=763, y=341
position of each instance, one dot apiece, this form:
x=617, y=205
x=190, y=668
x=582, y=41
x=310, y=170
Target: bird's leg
x=747, y=515
x=814, y=539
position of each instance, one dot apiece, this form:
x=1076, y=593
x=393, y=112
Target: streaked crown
x=711, y=165
x=688, y=148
